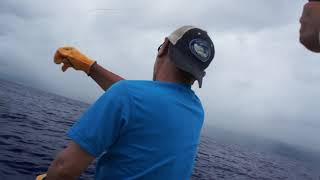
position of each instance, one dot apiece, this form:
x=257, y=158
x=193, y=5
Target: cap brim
x=186, y=64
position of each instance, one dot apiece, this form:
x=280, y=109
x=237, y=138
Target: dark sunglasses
x=160, y=47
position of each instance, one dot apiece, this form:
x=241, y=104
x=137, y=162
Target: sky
x=262, y=81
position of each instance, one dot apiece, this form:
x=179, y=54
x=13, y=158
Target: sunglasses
x=160, y=47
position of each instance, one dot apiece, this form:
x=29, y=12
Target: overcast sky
x=261, y=81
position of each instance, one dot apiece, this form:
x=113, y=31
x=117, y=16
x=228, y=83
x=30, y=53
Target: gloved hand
x=71, y=57
x=310, y=26
x=41, y=177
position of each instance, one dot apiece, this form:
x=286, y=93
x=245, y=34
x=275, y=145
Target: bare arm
x=69, y=163
x=103, y=77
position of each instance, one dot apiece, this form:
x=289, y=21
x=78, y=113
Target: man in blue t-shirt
x=140, y=129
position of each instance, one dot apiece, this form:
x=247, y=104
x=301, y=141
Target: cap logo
x=201, y=49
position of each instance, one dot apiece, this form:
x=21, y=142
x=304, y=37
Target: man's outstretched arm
x=71, y=57
x=103, y=77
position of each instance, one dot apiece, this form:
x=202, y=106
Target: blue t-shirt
x=142, y=130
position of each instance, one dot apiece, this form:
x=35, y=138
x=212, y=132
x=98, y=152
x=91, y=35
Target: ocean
x=33, y=126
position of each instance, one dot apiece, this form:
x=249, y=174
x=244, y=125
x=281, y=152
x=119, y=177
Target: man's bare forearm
x=69, y=163
x=103, y=77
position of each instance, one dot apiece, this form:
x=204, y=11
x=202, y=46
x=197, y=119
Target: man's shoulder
x=133, y=83
x=136, y=82
x=129, y=86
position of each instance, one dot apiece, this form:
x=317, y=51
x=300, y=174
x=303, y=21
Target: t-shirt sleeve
x=102, y=123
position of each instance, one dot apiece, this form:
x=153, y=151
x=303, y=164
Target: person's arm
x=93, y=134
x=103, y=77
x=71, y=57
x=69, y=163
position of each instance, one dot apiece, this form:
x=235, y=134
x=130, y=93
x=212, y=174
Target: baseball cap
x=191, y=50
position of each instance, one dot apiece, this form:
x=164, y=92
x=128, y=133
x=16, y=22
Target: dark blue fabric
x=142, y=130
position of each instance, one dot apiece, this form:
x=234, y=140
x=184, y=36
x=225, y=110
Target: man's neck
x=172, y=76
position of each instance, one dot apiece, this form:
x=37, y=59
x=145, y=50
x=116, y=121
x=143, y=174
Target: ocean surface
x=33, y=124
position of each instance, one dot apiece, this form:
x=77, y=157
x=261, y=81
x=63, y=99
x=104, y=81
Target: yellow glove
x=41, y=177
x=71, y=57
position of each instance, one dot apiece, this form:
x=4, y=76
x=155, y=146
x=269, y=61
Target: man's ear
x=164, y=48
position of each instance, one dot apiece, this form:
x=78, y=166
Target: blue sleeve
x=101, y=124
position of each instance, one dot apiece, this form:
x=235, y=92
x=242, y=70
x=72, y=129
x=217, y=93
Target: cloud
x=261, y=81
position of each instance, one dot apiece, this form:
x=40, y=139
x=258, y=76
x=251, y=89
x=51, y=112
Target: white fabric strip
x=177, y=34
